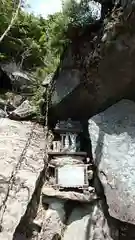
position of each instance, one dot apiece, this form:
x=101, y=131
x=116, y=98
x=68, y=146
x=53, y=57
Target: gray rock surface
x=24, y=111
x=21, y=161
x=2, y=103
x=19, y=79
x=62, y=161
x=87, y=222
x=2, y=114
x=17, y=100
x=112, y=134
x=54, y=221
x=51, y=193
x=105, y=67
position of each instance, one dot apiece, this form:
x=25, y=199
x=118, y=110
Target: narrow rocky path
x=88, y=222
x=73, y=211
x=51, y=213
x=85, y=222
x=77, y=225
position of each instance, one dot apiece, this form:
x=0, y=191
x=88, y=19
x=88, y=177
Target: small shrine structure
x=71, y=170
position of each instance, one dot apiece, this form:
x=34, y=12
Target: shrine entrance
x=69, y=178
x=70, y=168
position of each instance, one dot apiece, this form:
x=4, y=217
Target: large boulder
x=6, y=105
x=17, y=100
x=2, y=114
x=112, y=134
x=89, y=222
x=22, y=146
x=54, y=220
x=97, y=68
x=2, y=104
x=14, y=78
x=24, y=111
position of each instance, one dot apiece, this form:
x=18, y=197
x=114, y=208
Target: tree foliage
x=35, y=43
x=79, y=14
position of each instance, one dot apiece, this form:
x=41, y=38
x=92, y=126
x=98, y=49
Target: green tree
x=35, y=43
x=79, y=14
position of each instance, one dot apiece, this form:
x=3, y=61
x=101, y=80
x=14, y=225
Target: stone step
x=49, y=193
x=53, y=223
x=51, y=153
x=64, y=160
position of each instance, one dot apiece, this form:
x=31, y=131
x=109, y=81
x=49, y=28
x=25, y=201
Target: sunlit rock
x=112, y=134
x=22, y=147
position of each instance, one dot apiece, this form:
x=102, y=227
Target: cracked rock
x=87, y=222
x=112, y=134
x=54, y=221
x=50, y=193
x=21, y=161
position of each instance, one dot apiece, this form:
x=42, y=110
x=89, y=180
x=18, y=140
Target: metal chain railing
x=48, y=140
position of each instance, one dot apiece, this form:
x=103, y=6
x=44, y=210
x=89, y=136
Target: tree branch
x=12, y=21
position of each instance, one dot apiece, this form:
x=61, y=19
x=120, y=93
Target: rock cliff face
x=97, y=69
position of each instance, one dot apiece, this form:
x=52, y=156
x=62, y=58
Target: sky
x=44, y=7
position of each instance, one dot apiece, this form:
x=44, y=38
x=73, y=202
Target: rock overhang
x=104, y=66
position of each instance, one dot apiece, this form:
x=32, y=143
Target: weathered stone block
x=88, y=223
x=50, y=193
x=112, y=134
x=54, y=221
x=22, y=147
